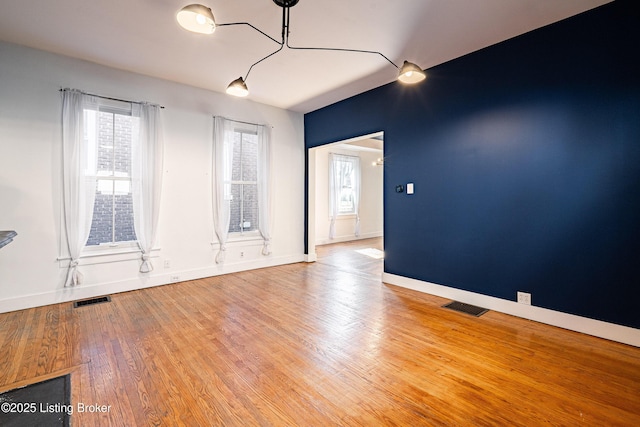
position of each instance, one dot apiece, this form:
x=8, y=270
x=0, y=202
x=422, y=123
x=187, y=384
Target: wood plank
x=316, y=344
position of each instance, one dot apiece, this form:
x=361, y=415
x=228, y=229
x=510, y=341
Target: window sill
x=107, y=249
x=107, y=255
x=344, y=217
x=246, y=240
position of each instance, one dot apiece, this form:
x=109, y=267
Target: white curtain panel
x=264, y=187
x=146, y=178
x=79, y=175
x=221, y=186
x=335, y=186
x=356, y=193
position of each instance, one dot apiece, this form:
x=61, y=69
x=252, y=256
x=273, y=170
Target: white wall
x=30, y=180
x=371, y=208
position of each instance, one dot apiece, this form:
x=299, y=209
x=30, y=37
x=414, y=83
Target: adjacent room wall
x=371, y=215
x=526, y=163
x=30, y=180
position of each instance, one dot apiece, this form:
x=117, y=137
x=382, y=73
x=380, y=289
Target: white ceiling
x=143, y=36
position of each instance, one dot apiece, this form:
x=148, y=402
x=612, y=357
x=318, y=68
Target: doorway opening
x=326, y=239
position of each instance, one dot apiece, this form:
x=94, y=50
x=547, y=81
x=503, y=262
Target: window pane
x=250, y=207
x=105, y=144
x=347, y=204
x=245, y=157
x=236, y=209
x=244, y=208
x=249, y=157
x=122, y=145
x=236, y=164
x=102, y=225
x=123, y=204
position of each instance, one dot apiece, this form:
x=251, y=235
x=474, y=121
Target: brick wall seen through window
x=244, y=183
x=113, y=208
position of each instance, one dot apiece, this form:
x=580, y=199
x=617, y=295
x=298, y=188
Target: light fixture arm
x=286, y=41
x=246, y=23
x=286, y=28
x=257, y=62
x=285, y=36
x=341, y=50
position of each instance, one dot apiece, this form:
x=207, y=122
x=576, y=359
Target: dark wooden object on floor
x=6, y=237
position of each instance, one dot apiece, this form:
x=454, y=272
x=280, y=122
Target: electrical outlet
x=524, y=298
x=175, y=279
x=241, y=254
x=167, y=263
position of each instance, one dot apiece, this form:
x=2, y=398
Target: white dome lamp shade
x=410, y=73
x=197, y=18
x=238, y=88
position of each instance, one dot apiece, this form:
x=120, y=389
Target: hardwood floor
x=315, y=345
x=345, y=257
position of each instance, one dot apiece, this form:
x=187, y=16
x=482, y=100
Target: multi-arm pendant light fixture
x=199, y=19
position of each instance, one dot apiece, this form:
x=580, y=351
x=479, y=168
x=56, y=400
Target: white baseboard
x=585, y=325
x=94, y=290
x=348, y=238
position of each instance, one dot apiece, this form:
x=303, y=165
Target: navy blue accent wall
x=526, y=163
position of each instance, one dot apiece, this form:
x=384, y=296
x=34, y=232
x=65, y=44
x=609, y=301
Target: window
x=244, y=183
x=240, y=184
x=112, y=155
x=109, y=132
x=347, y=195
x=344, y=190
x=344, y=183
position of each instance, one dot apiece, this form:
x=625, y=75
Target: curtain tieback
x=221, y=254
x=266, y=248
x=74, y=276
x=146, y=266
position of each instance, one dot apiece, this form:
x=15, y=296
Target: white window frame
x=251, y=234
x=113, y=247
x=352, y=212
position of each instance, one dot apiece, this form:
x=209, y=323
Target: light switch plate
x=410, y=188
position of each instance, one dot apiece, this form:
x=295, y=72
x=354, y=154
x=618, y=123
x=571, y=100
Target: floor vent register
x=466, y=308
x=91, y=301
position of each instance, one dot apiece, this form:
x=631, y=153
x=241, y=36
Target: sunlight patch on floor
x=371, y=252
